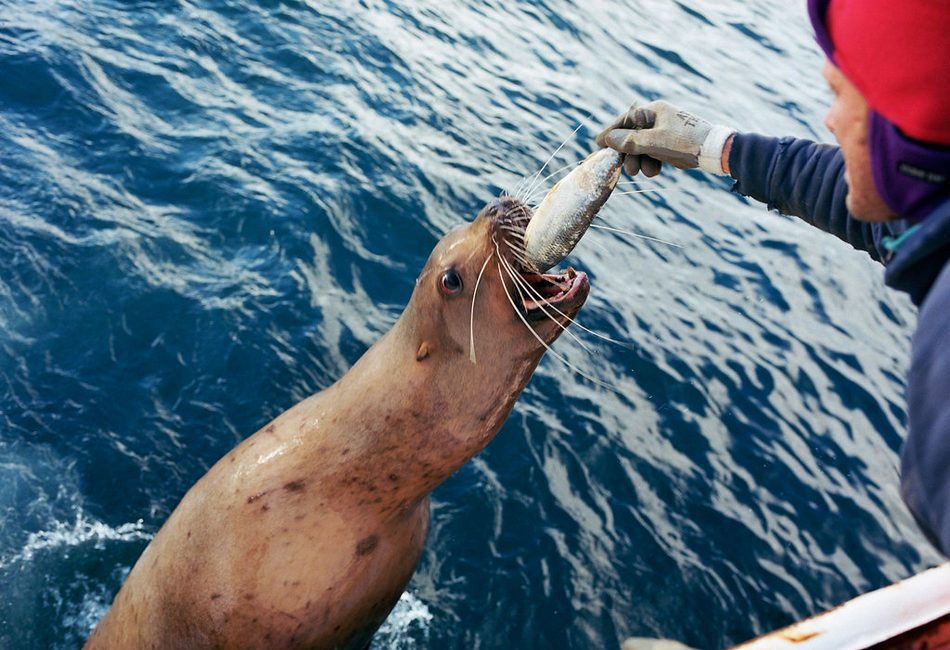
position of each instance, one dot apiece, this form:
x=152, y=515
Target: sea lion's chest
x=329, y=581
x=322, y=586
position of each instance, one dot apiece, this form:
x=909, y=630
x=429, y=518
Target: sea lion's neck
x=397, y=425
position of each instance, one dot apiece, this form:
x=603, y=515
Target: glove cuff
x=710, y=152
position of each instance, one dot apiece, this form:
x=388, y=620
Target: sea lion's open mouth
x=554, y=293
x=544, y=296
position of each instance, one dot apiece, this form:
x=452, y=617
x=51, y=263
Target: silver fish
x=564, y=215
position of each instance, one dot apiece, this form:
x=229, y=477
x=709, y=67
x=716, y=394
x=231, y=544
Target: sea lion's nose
x=502, y=205
x=502, y=209
x=507, y=202
x=493, y=209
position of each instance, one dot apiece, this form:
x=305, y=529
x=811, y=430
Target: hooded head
x=897, y=57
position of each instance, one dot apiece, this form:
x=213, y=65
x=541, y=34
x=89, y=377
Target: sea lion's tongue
x=551, y=290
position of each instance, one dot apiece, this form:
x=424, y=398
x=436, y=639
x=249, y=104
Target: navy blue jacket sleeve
x=800, y=178
x=925, y=459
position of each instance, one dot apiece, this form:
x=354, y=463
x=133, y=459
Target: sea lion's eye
x=451, y=283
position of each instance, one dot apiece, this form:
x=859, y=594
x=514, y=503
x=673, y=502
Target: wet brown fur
x=306, y=534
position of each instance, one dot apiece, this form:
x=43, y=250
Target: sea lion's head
x=479, y=322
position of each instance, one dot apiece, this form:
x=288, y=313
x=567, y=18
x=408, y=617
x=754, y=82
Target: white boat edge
x=869, y=619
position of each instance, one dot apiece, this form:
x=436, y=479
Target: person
x=884, y=190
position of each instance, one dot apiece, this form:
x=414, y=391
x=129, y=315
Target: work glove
x=658, y=132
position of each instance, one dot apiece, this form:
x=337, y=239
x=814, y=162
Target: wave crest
x=79, y=532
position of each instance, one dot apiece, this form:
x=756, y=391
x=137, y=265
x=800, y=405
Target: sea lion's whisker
x=596, y=243
x=516, y=235
x=519, y=252
x=518, y=249
x=521, y=284
x=501, y=257
x=516, y=278
x=524, y=262
x=521, y=295
x=471, y=320
x=516, y=245
x=517, y=191
x=521, y=258
x=541, y=183
x=561, y=146
x=655, y=190
x=546, y=346
x=633, y=234
x=574, y=322
x=520, y=255
x=522, y=185
x=520, y=214
x=535, y=183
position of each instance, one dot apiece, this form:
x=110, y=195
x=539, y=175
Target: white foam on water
x=407, y=627
x=80, y=531
x=81, y=618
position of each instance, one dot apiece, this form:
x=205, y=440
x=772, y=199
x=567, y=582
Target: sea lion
x=306, y=533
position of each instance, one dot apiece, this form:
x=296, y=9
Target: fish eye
x=450, y=283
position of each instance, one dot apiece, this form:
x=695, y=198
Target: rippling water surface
x=209, y=210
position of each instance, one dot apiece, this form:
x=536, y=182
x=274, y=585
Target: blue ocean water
x=209, y=210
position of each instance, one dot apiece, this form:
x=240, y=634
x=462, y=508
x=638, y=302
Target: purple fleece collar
x=912, y=177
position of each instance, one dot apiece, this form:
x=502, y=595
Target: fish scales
x=568, y=208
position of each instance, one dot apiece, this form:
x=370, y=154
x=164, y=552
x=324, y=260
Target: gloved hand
x=658, y=132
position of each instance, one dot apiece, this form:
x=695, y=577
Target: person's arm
x=925, y=459
x=800, y=178
x=796, y=177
